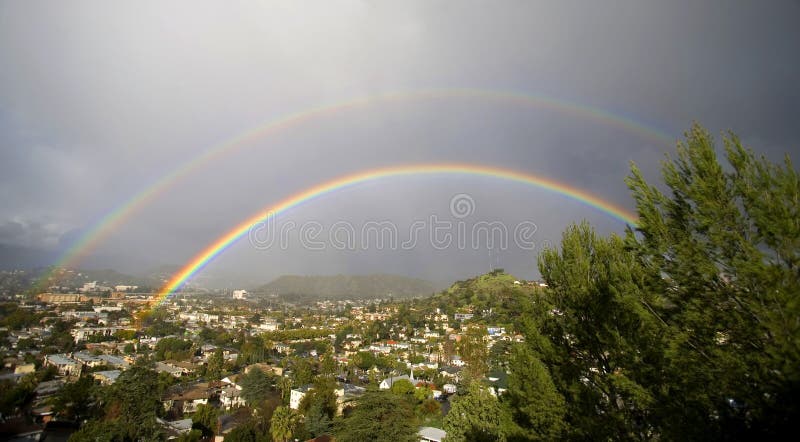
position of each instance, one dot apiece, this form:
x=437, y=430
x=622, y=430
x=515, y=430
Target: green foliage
x=536, y=407
x=723, y=250
x=493, y=292
x=248, y=432
x=133, y=403
x=77, y=401
x=191, y=436
x=302, y=372
x=255, y=386
x=154, y=323
x=173, y=348
x=322, y=395
x=377, y=416
x=125, y=335
x=300, y=333
x=402, y=387
x=685, y=329
x=606, y=345
x=474, y=416
x=205, y=419
x=474, y=353
x=16, y=318
x=15, y=396
x=317, y=420
x=103, y=431
x=283, y=424
x=216, y=366
x=364, y=360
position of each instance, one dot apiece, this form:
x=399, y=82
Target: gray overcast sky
x=100, y=99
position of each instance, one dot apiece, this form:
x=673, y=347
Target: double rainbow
x=103, y=227
x=213, y=250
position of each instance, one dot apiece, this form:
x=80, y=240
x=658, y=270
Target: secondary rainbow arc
x=217, y=247
x=100, y=230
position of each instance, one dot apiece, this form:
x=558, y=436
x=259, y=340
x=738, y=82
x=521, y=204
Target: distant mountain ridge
x=349, y=286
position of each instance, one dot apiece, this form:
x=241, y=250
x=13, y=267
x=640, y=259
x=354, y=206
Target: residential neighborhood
x=233, y=357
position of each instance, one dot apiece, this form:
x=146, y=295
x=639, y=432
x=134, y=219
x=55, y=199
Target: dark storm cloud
x=98, y=100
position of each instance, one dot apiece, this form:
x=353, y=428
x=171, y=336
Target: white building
x=297, y=396
x=269, y=324
x=240, y=294
x=65, y=365
x=125, y=288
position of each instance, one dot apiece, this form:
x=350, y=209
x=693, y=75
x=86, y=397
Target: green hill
x=348, y=286
x=498, y=295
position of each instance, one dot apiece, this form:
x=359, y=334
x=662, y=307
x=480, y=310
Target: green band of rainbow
x=112, y=220
x=223, y=242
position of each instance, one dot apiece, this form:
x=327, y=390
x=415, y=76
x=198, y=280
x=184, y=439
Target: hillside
x=349, y=286
x=496, y=292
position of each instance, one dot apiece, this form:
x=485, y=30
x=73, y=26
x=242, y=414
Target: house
x=388, y=382
x=264, y=367
x=297, y=395
x=187, y=398
x=114, y=361
x=233, y=380
x=87, y=359
x=496, y=331
x=107, y=377
x=165, y=367
x=343, y=392
x=174, y=429
x=453, y=373
x=84, y=333
x=431, y=434
x=231, y=397
x=65, y=365
x=48, y=388
x=463, y=316
x=269, y=324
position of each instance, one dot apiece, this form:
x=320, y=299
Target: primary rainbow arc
x=199, y=261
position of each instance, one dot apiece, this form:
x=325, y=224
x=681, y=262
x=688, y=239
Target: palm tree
x=284, y=421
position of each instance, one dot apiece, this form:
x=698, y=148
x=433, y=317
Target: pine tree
x=474, y=416
x=536, y=407
x=605, y=346
x=724, y=246
x=378, y=416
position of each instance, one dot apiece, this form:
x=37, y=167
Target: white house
x=388, y=382
x=297, y=395
x=106, y=377
x=65, y=365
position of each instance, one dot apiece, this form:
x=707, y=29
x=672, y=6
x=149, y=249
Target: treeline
x=300, y=333
x=685, y=328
